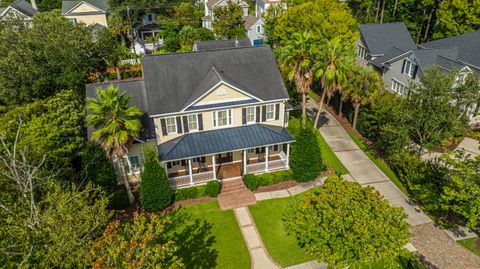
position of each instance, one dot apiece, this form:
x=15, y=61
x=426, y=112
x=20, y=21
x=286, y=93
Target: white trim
x=220, y=102
x=216, y=86
x=83, y=2
x=274, y=112
x=394, y=59
x=411, y=68
x=254, y=115
x=188, y=122
x=215, y=118
x=180, y=113
x=16, y=10
x=174, y=121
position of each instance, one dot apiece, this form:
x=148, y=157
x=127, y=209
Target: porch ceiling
x=223, y=140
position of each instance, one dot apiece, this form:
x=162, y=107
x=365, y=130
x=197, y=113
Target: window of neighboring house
x=398, y=87
x=132, y=164
x=171, y=125
x=270, y=111
x=251, y=151
x=259, y=29
x=150, y=17
x=409, y=68
x=222, y=118
x=192, y=122
x=362, y=52
x=250, y=114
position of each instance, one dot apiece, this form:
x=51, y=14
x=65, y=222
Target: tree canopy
x=228, y=21
x=457, y=17
x=344, y=224
x=50, y=56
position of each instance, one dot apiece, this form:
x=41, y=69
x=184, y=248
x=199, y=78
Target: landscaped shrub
x=190, y=193
x=155, y=191
x=118, y=200
x=213, y=188
x=254, y=181
x=305, y=158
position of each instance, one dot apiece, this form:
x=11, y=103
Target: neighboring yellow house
x=90, y=12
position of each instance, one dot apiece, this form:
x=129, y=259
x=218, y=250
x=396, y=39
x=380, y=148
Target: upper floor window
x=362, y=52
x=270, y=112
x=222, y=118
x=171, y=125
x=192, y=122
x=398, y=87
x=250, y=114
x=259, y=29
x=409, y=68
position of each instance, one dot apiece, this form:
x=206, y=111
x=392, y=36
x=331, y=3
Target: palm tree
x=115, y=125
x=154, y=39
x=364, y=84
x=297, y=59
x=336, y=59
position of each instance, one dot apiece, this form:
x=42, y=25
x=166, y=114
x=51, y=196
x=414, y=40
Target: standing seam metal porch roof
x=223, y=140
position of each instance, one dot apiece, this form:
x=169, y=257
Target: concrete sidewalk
x=364, y=171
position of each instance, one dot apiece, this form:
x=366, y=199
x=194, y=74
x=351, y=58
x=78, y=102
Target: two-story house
x=19, y=10
x=211, y=114
x=90, y=12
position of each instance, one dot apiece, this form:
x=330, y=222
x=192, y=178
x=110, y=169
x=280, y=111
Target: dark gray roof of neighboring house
x=250, y=20
x=223, y=140
x=136, y=90
x=390, y=54
x=222, y=44
x=428, y=57
x=172, y=79
x=468, y=45
x=380, y=37
x=24, y=7
x=211, y=3
x=67, y=5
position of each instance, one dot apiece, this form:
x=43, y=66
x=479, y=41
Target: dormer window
x=409, y=68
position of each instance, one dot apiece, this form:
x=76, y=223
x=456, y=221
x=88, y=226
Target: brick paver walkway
x=438, y=250
x=235, y=194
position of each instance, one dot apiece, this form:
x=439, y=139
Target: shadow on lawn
x=194, y=239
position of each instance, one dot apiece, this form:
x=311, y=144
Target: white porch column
x=266, y=159
x=166, y=169
x=244, y=162
x=190, y=171
x=214, y=167
x=288, y=156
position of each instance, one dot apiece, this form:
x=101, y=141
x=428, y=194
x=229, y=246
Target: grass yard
x=329, y=157
x=470, y=244
x=378, y=162
x=225, y=249
x=284, y=249
x=281, y=247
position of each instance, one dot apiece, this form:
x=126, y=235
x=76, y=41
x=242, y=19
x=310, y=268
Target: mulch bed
x=276, y=187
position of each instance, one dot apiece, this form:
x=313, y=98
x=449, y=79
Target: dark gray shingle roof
x=428, y=57
x=172, y=79
x=221, y=44
x=136, y=90
x=468, y=46
x=24, y=7
x=380, y=37
x=390, y=54
x=222, y=140
x=69, y=4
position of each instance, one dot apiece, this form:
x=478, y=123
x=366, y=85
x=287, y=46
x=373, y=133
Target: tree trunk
x=382, y=11
x=377, y=11
x=425, y=35
x=421, y=27
x=394, y=9
x=340, y=108
x=304, y=108
x=320, y=106
x=119, y=75
x=131, y=198
x=355, y=116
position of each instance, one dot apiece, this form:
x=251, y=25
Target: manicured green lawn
x=378, y=162
x=470, y=244
x=329, y=157
x=281, y=247
x=226, y=240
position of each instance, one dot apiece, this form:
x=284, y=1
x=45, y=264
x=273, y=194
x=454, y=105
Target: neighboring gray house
x=20, y=9
x=221, y=44
x=211, y=114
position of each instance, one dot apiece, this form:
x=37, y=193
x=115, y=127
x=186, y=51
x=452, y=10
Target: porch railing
x=183, y=181
x=272, y=165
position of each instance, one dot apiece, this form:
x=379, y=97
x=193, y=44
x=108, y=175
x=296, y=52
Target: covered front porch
x=223, y=157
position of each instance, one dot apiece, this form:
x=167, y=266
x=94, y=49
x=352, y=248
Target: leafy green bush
x=254, y=181
x=190, y=193
x=155, y=191
x=118, y=200
x=305, y=157
x=213, y=188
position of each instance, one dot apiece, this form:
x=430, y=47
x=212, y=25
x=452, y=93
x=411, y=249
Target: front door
x=225, y=157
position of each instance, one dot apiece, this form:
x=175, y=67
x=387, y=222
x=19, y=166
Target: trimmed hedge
x=213, y=188
x=190, y=193
x=254, y=181
x=155, y=191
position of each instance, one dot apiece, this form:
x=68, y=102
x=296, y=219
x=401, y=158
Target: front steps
x=235, y=194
